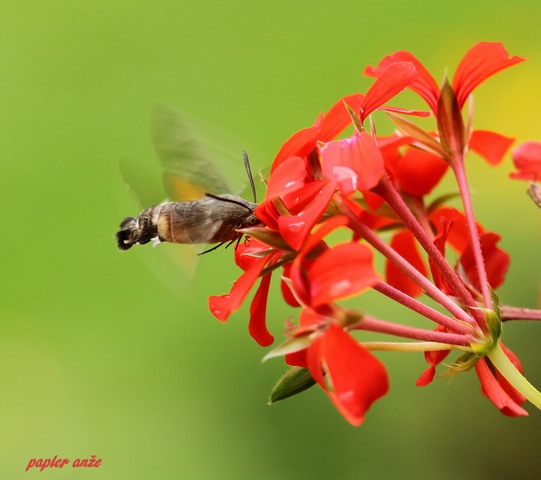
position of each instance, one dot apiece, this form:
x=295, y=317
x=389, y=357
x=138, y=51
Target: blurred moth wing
x=185, y=156
x=188, y=175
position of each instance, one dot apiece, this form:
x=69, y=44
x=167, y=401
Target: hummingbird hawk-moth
x=207, y=213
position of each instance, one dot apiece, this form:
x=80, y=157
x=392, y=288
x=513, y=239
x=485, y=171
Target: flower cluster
x=372, y=192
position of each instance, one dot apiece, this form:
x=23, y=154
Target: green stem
x=514, y=377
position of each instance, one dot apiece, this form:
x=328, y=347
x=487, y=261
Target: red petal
x=404, y=244
x=299, y=144
x=268, y=214
x=418, y=172
x=490, y=145
x=377, y=222
x=258, y=314
x=433, y=358
x=355, y=163
x=527, y=160
x=480, y=62
x=297, y=359
x=287, y=294
x=404, y=111
x=298, y=200
x=356, y=378
x=247, y=253
x=494, y=391
x=300, y=264
x=459, y=237
x=323, y=230
x=425, y=85
x=426, y=377
x=444, y=220
x=288, y=176
x=222, y=306
x=389, y=83
x=373, y=200
x=496, y=261
x=296, y=228
x=295, y=201
x=514, y=394
x=337, y=118
x=340, y=272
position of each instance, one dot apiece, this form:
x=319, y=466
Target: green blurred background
x=99, y=356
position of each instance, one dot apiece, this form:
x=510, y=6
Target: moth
x=208, y=212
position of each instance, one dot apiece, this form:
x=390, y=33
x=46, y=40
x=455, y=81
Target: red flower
x=391, y=82
x=493, y=385
x=222, y=306
x=296, y=228
x=414, y=171
x=497, y=389
x=404, y=243
x=330, y=125
x=367, y=186
x=433, y=358
x=325, y=128
x=425, y=85
x=527, y=160
x=481, y=62
x=354, y=163
x=350, y=375
x=496, y=261
x=338, y=272
x=490, y=145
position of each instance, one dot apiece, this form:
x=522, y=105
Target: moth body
x=211, y=219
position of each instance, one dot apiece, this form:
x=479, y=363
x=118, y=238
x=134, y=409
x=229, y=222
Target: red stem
x=421, y=308
x=460, y=173
x=382, y=326
x=387, y=190
x=406, y=267
x=515, y=313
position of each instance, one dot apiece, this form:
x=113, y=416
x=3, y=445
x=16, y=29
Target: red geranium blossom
x=352, y=377
x=493, y=384
x=527, y=160
x=481, y=62
x=333, y=203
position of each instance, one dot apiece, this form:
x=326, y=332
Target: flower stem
x=462, y=180
x=502, y=363
x=406, y=267
x=515, y=313
x=382, y=326
x=387, y=190
x=421, y=308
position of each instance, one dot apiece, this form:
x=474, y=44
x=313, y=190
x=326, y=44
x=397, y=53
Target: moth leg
x=212, y=249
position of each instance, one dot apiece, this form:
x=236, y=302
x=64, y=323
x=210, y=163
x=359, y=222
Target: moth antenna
x=249, y=172
x=230, y=200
